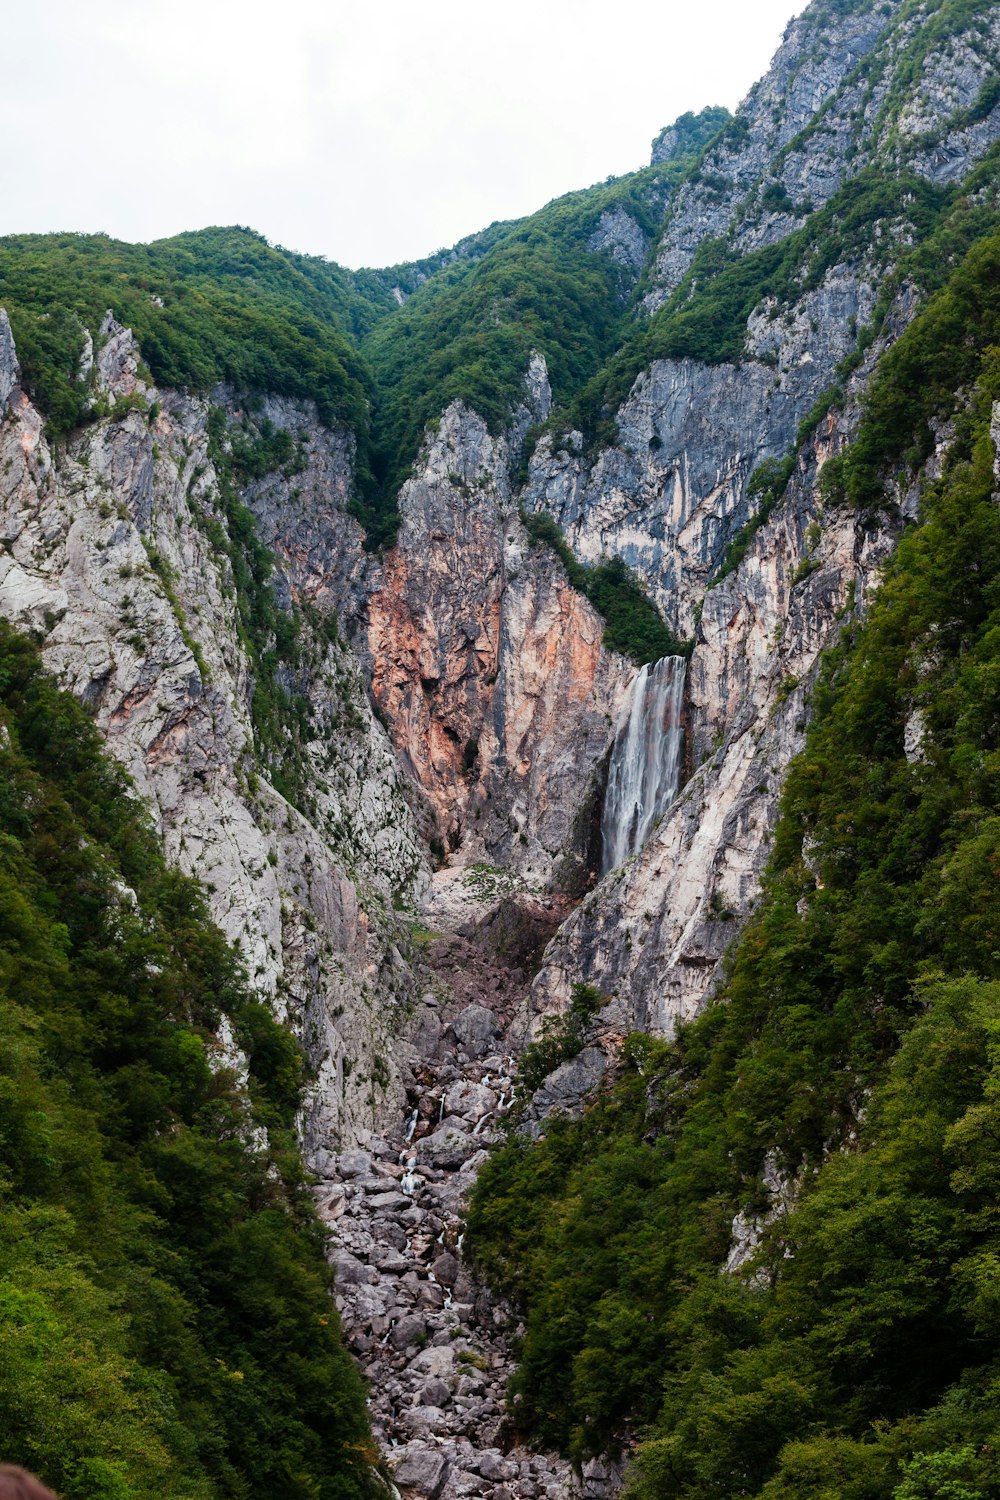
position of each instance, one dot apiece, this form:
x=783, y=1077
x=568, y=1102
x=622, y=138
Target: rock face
x=112, y=557
x=486, y=663
x=621, y=237
x=673, y=493
x=302, y=517
x=433, y=620
x=653, y=933
x=551, y=723
x=9, y=371
x=867, y=89
x=495, y=701
x=840, y=96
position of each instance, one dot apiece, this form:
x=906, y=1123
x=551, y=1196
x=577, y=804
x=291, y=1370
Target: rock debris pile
x=433, y=1342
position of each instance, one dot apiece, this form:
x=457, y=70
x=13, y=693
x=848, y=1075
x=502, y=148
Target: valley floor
x=435, y=1346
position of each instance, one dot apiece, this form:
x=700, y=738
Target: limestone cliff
x=486, y=664
x=850, y=87
x=672, y=492
x=111, y=557
x=312, y=738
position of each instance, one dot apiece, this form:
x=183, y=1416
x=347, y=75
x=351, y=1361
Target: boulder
x=475, y=1027
x=349, y=1271
x=407, y=1331
x=434, y=1393
x=354, y=1163
x=421, y=1472
x=446, y=1269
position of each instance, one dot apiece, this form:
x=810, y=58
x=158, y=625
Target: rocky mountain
x=358, y=573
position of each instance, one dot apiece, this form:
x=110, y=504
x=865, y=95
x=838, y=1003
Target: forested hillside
x=839, y=1095
x=551, y=283
x=167, y=1327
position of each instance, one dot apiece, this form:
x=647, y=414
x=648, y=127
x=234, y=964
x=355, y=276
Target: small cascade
x=645, y=769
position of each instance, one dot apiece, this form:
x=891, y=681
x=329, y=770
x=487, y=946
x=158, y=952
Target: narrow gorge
x=560, y=676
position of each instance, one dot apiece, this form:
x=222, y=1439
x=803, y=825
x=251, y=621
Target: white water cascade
x=645, y=768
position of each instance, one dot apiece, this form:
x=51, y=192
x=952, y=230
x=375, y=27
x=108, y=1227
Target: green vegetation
x=706, y=317
x=218, y=305
x=690, y=133
x=563, y=1037
x=633, y=625
x=166, y=1326
x=854, y=1049
x=917, y=382
x=468, y=332
x=224, y=305
x=765, y=490
x=915, y=385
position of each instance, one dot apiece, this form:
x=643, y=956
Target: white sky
x=369, y=134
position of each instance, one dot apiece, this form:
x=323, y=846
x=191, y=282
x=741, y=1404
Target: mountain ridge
x=324, y=563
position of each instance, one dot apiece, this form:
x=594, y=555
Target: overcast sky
x=369, y=133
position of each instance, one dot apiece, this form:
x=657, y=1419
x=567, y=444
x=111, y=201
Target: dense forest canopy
x=167, y=1324
x=851, y=1054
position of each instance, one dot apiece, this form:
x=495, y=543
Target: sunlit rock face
x=487, y=665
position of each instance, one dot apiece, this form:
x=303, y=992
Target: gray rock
x=492, y=1465
x=569, y=1085
x=407, y=1332
x=422, y=1421
x=421, y=1472
x=426, y=1036
x=10, y=372
x=349, y=1271
x=470, y=1100
x=388, y=1202
x=620, y=237
x=435, y=1393
x=446, y=1269
x=449, y=1146
x=391, y=1262
x=439, y=1362
x=475, y=1028
x=463, y=1484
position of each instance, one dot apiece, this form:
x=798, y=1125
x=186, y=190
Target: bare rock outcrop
x=488, y=666
x=111, y=557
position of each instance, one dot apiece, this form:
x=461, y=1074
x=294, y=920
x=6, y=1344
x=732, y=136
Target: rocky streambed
x=436, y=1345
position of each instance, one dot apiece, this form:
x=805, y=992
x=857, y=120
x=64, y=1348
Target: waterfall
x=645, y=768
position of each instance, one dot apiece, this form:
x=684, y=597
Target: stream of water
x=644, y=773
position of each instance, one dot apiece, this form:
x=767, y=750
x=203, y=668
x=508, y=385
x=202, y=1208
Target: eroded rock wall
x=653, y=934
x=111, y=557
x=672, y=493
x=487, y=665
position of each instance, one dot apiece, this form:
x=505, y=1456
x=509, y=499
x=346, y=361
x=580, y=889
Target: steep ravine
x=434, y=1344
x=451, y=702
x=112, y=557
